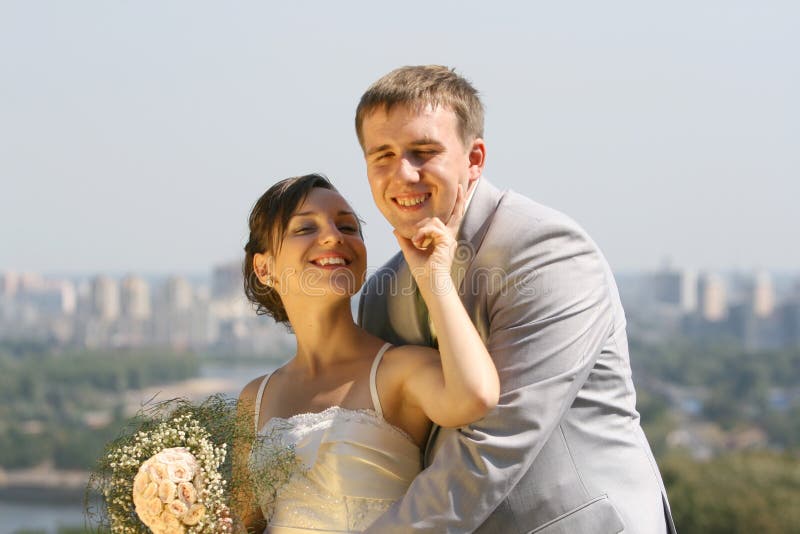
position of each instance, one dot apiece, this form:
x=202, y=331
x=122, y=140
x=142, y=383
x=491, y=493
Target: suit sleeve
x=361, y=304
x=371, y=315
x=547, y=322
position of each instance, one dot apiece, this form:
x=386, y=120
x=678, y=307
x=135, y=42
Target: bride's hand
x=429, y=253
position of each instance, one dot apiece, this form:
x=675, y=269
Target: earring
x=269, y=282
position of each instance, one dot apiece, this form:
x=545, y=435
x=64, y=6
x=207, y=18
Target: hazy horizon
x=135, y=137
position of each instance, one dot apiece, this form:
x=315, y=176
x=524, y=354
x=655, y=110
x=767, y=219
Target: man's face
x=415, y=163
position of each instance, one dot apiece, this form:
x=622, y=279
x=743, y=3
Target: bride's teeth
x=330, y=261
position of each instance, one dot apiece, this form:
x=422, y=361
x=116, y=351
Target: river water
x=39, y=517
x=47, y=517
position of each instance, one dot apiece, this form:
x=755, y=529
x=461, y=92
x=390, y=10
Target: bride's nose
x=330, y=234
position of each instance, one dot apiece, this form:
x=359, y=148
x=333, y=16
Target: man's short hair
x=425, y=85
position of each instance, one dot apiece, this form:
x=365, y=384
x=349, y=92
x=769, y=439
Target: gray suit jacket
x=563, y=452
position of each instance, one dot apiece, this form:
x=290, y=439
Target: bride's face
x=322, y=252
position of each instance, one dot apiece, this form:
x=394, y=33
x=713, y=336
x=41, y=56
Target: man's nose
x=408, y=171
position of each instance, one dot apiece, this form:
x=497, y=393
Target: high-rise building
x=789, y=313
x=177, y=308
x=178, y=294
x=226, y=280
x=135, y=298
x=44, y=300
x=30, y=282
x=9, y=281
x=712, y=297
x=105, y=298
x=763, y=295
x=675, y=288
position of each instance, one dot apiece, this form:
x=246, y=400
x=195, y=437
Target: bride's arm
x=243, y=500
x=463, y=385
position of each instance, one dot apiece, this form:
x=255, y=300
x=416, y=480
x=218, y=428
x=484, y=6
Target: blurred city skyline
x=757, y=309
x=136, y=136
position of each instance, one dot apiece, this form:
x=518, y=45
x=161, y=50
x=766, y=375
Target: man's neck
x=471, y=194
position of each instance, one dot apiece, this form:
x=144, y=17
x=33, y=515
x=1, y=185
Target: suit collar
x=481, y=207
x=477, y=220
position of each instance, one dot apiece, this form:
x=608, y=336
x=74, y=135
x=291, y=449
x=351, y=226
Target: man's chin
x=407, y=226
x=406, y=230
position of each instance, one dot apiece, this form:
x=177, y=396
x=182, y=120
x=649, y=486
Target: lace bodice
x=354, y=465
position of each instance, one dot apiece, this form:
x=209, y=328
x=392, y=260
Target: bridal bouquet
x=169, y=490
x=171, y=471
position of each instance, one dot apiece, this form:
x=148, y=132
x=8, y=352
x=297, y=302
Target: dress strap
x=258, y=399
x=373, y=388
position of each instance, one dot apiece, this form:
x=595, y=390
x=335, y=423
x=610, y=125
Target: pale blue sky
x=135, y=136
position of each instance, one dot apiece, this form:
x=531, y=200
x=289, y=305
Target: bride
x=356, y=410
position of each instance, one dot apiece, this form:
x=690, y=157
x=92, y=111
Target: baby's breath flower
x=192, y=440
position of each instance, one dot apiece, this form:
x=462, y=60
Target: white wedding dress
x=355, y=465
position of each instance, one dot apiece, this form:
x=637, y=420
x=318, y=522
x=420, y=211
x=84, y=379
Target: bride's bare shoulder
x=250, y=391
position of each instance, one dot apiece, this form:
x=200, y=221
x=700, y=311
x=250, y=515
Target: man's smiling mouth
x=411, y=201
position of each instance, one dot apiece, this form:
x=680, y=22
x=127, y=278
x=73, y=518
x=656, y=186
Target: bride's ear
x=262, y=267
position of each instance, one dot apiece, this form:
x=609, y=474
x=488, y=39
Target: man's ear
x=477, y=159
x=262, y=267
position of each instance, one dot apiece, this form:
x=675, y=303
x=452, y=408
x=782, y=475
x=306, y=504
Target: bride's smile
x=322, y=251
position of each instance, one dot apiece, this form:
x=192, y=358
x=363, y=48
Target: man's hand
x=429, y=253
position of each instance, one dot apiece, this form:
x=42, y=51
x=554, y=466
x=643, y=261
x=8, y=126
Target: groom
x=563, y=451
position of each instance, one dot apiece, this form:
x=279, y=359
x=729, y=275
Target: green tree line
x=734, y=493
x=45, y=397
x=739, y=386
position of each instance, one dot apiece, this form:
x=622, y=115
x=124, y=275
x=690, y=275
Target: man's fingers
x=403, y=242
x=429, y=231
x=454, y=221
x=423, y=238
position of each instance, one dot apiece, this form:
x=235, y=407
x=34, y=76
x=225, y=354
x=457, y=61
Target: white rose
x=171, y=524
x=179, y=465
x=194, y=515
x=180, y=471
x=157, y=471
x=141, y=480
x=153, y=507
x=187, y=493
x=177, y=454
x=150, y=491
x=155, y=524
x=143, y=515
x=177, y=508
x=149, y=512
x=167, y=491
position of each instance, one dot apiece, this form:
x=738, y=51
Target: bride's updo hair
x=268, y=221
